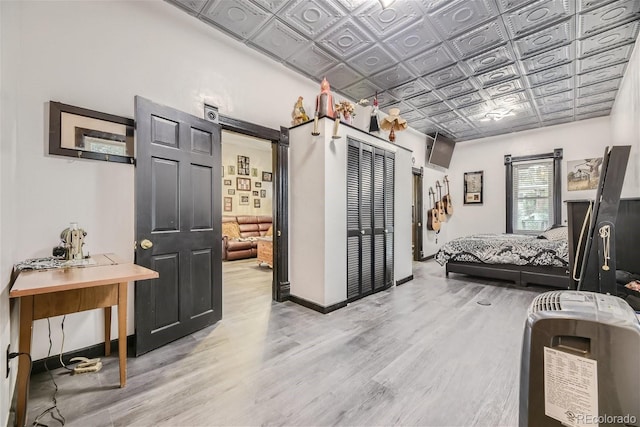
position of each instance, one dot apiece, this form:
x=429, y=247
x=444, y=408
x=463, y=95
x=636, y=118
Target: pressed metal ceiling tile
x=279, y=39
x=408, y=90
x=555, y=35
x=413, y=40
x=592, y=115
x=493, y=77
x=193, y=7
x=444, y=77
x=372, y=60
x=551, y=88
x=605, y=86
x=623, y=34
x=456, y=89
x=393, y=76
x=479, y=39
x=492, y=59
x=342, y=76
x=237, y=17
x=597, y=98
x=505, y=87
x=608, y=73
x=546, y=60
x=461, y=15
x=382, y=22
x=313, y=61
x=431, y=60
x=537, y=15
x=607, y=16
x=311, y=17
x=422, y=100
x=546, y=76
x=605, y=59
x=465, y=100
x=346, y=39
x=362, y=89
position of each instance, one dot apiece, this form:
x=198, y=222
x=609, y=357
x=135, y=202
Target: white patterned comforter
x=515, y=249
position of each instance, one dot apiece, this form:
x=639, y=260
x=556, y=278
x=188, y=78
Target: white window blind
x=532, y=196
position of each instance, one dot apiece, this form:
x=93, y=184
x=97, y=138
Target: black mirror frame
x=55, y=128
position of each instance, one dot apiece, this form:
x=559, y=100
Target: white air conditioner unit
x=580, y=362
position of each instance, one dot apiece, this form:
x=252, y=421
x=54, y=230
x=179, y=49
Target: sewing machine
x=72, y=240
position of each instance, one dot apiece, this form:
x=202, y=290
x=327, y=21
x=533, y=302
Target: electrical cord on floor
x=53, y=410
x=26, y=389
x=62, y=347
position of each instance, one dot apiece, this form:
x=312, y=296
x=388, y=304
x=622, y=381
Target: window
x=533, y=192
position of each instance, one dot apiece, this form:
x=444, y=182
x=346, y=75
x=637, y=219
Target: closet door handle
x=361, y=231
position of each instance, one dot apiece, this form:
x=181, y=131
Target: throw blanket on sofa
x=505, y=249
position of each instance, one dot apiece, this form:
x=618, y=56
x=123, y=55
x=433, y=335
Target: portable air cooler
x=580, y=362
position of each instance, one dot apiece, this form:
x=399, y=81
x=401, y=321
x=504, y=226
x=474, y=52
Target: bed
x=523, y=259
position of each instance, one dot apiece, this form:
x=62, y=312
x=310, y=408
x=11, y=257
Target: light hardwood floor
x=424, y=353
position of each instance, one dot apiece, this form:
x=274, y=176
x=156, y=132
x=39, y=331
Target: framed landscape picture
x=227, y=182
x=266, y=176
x=257, y=184
x=244, y=200
x=231, y=191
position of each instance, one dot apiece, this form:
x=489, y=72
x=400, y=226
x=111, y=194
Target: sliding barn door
x=369, y=219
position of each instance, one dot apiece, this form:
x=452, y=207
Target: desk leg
x=26, y=323
x=107, y=331
x=122, y=331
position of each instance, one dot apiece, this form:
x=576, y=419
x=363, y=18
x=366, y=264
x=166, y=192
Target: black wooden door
x=178, y=217
x=389, y=217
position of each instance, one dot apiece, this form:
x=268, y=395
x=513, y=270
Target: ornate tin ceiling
x=466, y=68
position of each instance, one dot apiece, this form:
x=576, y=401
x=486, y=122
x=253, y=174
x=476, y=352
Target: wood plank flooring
x=424, y=353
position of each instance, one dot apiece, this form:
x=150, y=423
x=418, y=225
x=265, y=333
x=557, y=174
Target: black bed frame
x=523, y=275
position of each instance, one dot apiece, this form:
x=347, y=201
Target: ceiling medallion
x=498, y=114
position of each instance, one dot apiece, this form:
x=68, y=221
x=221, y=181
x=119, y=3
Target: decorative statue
x=374, y=125
x=298, y=114
x=324, y=101
x=393, y=122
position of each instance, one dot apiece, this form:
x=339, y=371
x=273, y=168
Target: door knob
x=146, y=244
x=361, y=231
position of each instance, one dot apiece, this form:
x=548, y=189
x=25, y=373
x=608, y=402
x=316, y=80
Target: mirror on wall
x=81, y=133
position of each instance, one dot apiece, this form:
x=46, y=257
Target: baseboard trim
x=428, y=257
x=316, y=307
x=97, y=350
x=405, y=280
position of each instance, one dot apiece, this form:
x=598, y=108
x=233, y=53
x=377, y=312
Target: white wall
x=625, y=120
x=259, y=153
x=99, y=55
x=579, y=140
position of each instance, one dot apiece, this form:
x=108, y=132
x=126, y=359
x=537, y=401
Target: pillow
x=269, y=231
x=557, y=233
x=231, y=230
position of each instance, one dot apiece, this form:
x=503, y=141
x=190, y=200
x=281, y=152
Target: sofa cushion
x=269, y=231
x=231, y=230
x=238, y=245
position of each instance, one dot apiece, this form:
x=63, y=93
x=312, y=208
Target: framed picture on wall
x=263, y=193
x=256, y=203
x=254, y=172
x=243, y=184
x=257, y=184
x=227, y=182
x=244, y=200
x=231, y=191
x=228, y=204
x=243, y=165
x=232, y=170
x=266, y=176
x=256, y=193
x=473, y=187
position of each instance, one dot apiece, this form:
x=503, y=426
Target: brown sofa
x=250, y=228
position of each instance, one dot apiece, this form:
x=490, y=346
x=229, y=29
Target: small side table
x=265, y=251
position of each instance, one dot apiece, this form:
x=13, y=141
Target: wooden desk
x=48, y=293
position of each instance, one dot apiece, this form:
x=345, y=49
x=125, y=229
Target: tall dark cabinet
x=370, y=219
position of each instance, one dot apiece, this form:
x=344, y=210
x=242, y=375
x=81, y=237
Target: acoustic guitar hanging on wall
x=446, y=199
x=440, y=204
x=432, y=216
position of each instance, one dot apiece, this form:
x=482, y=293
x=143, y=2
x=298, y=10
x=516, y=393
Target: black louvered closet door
x=369, y=211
